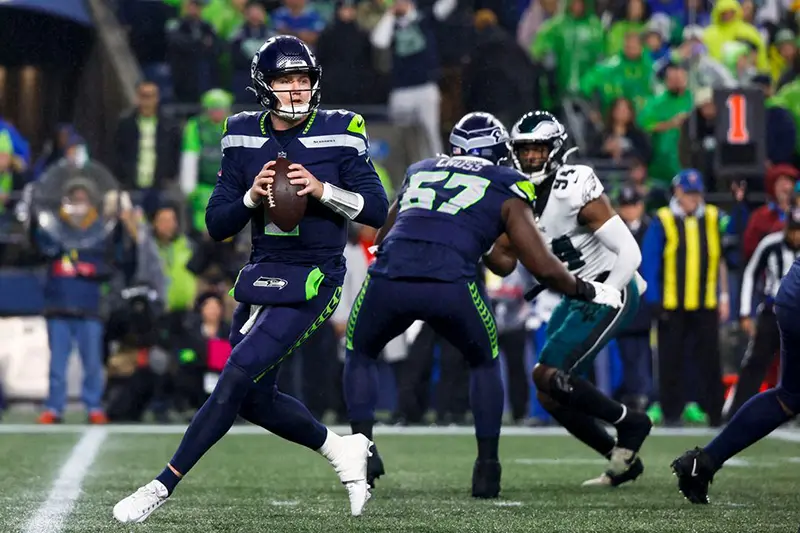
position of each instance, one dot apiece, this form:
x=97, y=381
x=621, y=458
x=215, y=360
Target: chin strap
x=291, y=116
x=346, y=203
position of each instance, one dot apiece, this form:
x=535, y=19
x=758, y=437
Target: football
x=284, y=208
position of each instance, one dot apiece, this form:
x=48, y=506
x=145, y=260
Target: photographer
x=134, y=329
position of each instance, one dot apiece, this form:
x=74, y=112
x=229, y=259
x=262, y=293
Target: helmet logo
x=292, y=63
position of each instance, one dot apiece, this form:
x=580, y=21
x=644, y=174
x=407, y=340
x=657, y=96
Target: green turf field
x=252, y=482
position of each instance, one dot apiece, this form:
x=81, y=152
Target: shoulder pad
x=584, y=171
x=424, y=164
x=344, y=128
x=577, y=184
x=244, y=130
x=246, y=122
x=344, y=121
x=513, y=179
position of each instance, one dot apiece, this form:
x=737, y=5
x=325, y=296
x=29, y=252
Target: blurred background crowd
x=111, y=114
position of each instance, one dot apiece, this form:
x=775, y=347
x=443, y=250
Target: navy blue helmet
x=481, y=135
x=279, y=56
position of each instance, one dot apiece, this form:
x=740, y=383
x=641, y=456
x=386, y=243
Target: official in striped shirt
x=771, y=261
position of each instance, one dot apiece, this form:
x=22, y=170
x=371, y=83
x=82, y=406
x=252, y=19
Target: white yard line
x=787, y=435
x=54, y=511
x=509, y=431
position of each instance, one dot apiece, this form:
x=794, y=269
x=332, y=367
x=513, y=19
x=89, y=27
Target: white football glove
x=606, y=295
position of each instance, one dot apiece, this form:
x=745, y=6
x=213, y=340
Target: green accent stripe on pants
x=325, y=315
x=486, y=317
x=351, y=322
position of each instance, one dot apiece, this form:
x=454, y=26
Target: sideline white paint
x=507, y=431
x=66, y=489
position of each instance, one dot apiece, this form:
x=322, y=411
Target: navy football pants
x=276, y=332
x=457, y=311
x=789, y=324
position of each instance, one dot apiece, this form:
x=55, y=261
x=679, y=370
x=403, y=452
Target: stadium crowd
x=643, y=75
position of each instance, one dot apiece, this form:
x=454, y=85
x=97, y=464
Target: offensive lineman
x=448, y=214
x=585, y=233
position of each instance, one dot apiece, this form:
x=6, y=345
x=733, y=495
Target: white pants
x=419, y=106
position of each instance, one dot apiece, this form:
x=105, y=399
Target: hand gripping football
x=284, y=208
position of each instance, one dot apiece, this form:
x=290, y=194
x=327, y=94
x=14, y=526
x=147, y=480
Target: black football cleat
x=486, y=479
x=610, y=479
x=695, y=471
x=374, y=467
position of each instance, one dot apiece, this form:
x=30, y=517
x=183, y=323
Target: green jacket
x=618, y=76
x=665, y=163
x=201, y=137
x=181, y=284
x=573, y=46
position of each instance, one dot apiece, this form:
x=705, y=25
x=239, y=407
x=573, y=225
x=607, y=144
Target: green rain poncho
x=619, y=76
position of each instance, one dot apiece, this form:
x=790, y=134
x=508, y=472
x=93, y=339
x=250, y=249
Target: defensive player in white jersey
x=583, y=231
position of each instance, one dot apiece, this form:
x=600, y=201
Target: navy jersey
x=334, y=147
x=789, y=291
x=449, y=215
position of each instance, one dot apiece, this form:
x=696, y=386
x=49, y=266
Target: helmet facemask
x=269, y=97
x=538, y=159
x=539, y=142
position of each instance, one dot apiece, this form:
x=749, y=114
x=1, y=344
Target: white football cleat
x=621, y=460
x=603, y=480
x=138, y=506
x=350, y=464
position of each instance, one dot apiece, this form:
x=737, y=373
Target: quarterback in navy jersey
x=292, y=283
x=761, y=414
x=452, y=211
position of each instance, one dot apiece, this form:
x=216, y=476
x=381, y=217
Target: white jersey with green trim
x=559, y=201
